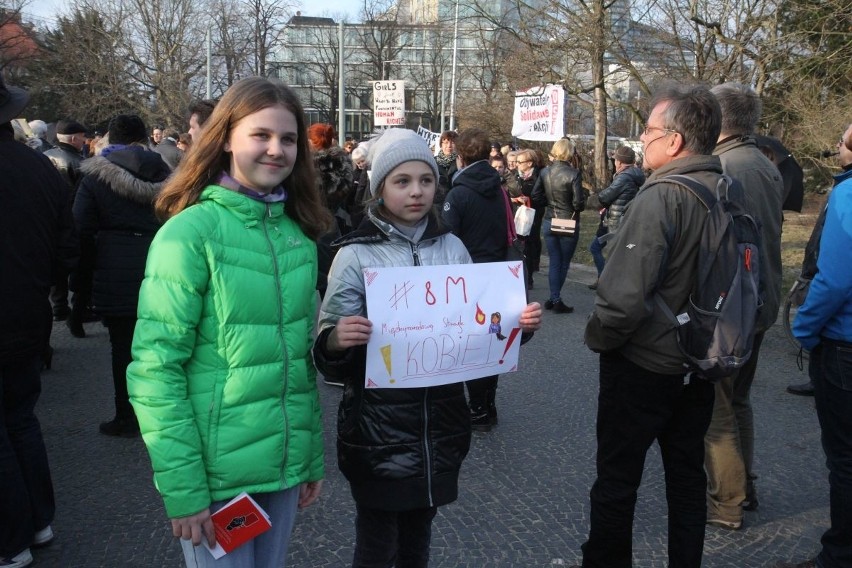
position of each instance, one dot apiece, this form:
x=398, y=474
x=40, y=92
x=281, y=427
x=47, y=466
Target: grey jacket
x=655, y=251
x=624, y=187
x=764, y=194
x=346, y=295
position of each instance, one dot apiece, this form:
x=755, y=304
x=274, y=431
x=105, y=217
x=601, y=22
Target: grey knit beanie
x=394, y=147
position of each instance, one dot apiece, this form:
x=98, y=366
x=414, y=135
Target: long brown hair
x=206, y=158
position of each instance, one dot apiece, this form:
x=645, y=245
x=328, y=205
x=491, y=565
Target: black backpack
x=716, y=331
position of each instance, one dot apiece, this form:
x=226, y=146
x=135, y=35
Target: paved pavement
x=524, y=486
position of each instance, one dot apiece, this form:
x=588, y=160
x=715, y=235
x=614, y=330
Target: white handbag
x=524, y=218
x=563, y=227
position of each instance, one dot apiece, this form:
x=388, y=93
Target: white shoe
x=43, y=537
x=19, y=561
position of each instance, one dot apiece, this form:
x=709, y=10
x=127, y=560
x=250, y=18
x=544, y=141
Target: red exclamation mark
x=512, y=335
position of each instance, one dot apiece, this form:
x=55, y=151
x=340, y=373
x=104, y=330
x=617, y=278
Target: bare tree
x=232, y=42
x=266, y=17
x=90, y=83
x=162, y=40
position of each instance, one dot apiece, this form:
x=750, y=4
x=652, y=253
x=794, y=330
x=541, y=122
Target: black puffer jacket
x=37, y=242
x=624, y=187
x=475, y=210
x=560, y=186
x=114, y=211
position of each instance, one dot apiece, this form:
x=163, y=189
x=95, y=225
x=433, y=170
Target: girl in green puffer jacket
x=222, y=380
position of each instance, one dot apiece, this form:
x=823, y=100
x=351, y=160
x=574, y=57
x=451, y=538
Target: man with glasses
x=645, y=395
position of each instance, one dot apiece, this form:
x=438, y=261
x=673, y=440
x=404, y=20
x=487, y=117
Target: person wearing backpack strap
x=646, y=394
x=729, y=444
x=823, y=325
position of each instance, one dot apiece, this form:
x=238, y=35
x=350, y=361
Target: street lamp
x=384, y=67
x=453, y=76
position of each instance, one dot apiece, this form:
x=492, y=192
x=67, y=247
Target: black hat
x=69, y=127
x=127, y=129
x=12, y=101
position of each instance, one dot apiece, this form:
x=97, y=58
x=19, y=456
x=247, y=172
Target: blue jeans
x=596, y=248
x=635, y=408
x=268, y=550
x=560, y=249
x=830, y=369
x=27, y=503
x=392, y=538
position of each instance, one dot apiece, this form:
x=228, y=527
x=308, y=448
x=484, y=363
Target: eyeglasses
x=666, y=130
x=524, y=161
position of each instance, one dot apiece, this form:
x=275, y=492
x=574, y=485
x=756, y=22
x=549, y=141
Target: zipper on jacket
x=426, y=446
x=427, y=454
x=415, y=252
x=279, y=295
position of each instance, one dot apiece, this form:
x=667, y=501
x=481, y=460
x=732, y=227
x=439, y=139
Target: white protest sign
x=434, y=325
x=388, y=103
x=539, y=113
x=427, y=135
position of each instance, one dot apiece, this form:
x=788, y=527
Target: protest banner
x=430, y=137
x=539, y=113
x=434, y=325
x=388, y=103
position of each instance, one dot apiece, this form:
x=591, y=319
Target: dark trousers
x=830, y=369
x=121, y=338
x=59, y=293
x=392, y=538
x=532, y=242
x=482, y=393
x=635, y=408
x=26, y=491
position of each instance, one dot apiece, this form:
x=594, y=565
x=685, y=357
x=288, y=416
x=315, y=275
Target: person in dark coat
x=37, y=243
x=114, y=211
x=67, y=157
x=625, y=185
x=168, y=149
x=446, y=159
x=475, y=210
x=528, y=171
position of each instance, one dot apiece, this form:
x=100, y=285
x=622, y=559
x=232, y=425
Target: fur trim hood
x=334, y=171
x=133, y=173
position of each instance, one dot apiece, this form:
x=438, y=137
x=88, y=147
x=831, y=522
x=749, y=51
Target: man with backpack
x=646, y=394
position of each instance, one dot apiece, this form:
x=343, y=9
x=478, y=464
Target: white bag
x=524, y=217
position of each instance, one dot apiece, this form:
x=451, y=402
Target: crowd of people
x=208, y=255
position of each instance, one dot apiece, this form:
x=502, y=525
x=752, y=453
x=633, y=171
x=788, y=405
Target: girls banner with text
x=435, y=325
x=539, y=113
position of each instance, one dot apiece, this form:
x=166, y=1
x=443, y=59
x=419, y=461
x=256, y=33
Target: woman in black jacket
x=560, y=188
x=528, y=172
x=114, y=211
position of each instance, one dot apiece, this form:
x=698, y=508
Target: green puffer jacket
x=222, y=379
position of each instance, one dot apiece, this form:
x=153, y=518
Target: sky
x=47, y=10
